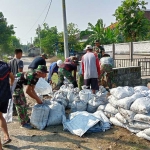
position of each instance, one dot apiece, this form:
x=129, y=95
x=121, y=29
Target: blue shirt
x=37, y=61
x=52, y=69
x=5, y=93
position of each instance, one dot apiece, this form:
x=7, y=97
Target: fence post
x=131, y=50
x=113, y=51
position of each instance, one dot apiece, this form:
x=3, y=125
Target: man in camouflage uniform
x=106, y=65
x=30, y=79
x=65, y=70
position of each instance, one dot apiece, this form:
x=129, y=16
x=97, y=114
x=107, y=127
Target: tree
x=131, y=21
x=100, y=32
x=6, y=31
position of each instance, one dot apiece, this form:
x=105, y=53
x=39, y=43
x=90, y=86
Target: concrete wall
x=127, y=76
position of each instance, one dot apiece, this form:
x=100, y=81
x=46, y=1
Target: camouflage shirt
x=31, y=78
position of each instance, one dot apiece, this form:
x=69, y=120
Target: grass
x=55, y=78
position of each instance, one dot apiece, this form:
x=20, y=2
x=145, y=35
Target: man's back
x=90, y=65
x=36, y=62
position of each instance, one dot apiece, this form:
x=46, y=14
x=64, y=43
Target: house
x=147, y=14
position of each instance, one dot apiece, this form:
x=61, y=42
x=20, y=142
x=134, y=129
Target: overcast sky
x=24, y=14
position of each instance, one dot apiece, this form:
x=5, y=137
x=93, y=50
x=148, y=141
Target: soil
x=54, y=138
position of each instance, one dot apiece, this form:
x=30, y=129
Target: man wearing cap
x=65, y=70
x=98, y=49
x=90, y=69
x=30, y=79
x=38, y=61
x=53, y=69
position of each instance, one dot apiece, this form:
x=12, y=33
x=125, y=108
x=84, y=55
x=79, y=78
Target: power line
x=37, y=20
x=47, y=11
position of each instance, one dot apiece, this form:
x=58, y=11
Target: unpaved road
x=54, y=138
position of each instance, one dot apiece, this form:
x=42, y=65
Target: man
x=32, y=78
x=38, y=61
x=65, y=70
x=16, y=65
x=5, y=95
x=90, y=69
x=98, y=49
x=106, y=65
x=53, y=69
x=71, y=59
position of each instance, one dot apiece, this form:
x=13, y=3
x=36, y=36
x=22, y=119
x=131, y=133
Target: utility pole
x=39, y=29
x=66, y=51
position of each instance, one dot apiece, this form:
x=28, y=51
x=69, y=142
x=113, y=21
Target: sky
x=26, y=15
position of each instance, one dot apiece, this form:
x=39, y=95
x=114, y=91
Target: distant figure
x=90, y=69
x=38, y=61
x=5, y=95
x=71, y=59
x=53, y=69
x=106, y=65
x=98, y=49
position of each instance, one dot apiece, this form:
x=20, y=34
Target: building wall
x=147, y=14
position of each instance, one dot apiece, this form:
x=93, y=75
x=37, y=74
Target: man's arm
x=20, y=66
x=12, y=79
x=98, y=66
x=30, y=91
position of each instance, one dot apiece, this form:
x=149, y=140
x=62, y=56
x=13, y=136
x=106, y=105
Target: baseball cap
x=88, y=47
x=45, y=55
x=42, y=68
x=96, y=41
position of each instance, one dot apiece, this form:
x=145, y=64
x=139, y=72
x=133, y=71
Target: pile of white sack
x=129, y=108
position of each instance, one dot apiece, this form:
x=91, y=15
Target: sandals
x=6, y=141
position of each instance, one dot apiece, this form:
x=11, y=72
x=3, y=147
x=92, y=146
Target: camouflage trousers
x=21, y=105
x=80, y=81
x=65, y=73
x=107, y=68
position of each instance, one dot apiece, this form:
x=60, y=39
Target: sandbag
x=93, y=104
x=56, y=114
x=110, y=109
x=102, y=89
x=141, y=134
x=39, y=116
x=102, y=95
x=141, y=105
x=142, y=117
x=108, y=114
x=139, y=125
x=127, y=101
x=78, y=105
x=140, y=88
x=101, y=107
x=127, y=114
x=116, y=122
x=113, y=101
x=133, y=130
x=43, y=87
x=121, y=118
x=122, y=92
x=147, y=131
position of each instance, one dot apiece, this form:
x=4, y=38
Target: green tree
x=131, y=21
x=6, y=31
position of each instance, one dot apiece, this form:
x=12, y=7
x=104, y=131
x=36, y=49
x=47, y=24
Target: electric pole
x=39, y=30
x=66, y=52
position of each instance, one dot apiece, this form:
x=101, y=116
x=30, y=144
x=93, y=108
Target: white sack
x=147, y=131
x=102, y=95
x=113, y=101
x=80, y=123
x=141, y=105
x=139, y=125
x=122, y=92
x=85, y=94
x=110, y=109
x=127, y=101
x=102, y=89
x=143, y=135
x=109, y=114
x=133, y=130
x=93, y=104
x=101, y=107
x=39, y=116
x=116, y=122
x=56, y=114
x=9, y=115
x=120, y=118
x=141, y=88
x=142, y=117
x=43, y=87
x=127, y=114
x=78, y=105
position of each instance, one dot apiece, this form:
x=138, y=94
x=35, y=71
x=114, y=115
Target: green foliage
x=131, y=21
